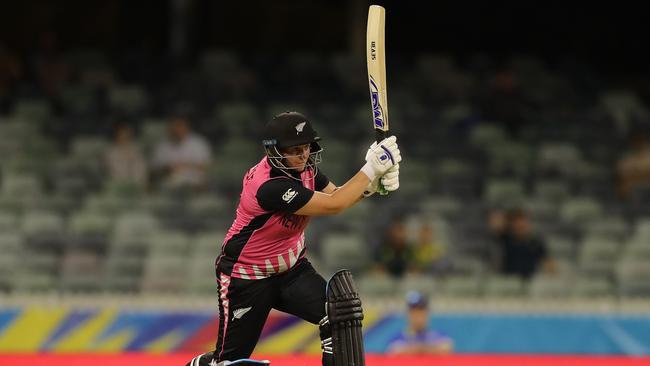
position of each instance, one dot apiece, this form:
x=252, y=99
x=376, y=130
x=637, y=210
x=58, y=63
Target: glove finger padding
x=390, y=180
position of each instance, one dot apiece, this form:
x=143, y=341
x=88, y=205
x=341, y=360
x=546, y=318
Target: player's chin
x=301, y=168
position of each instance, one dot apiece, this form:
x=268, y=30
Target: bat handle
x=379, y=136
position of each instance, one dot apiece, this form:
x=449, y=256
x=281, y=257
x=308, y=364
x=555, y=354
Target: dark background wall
x=610, y=37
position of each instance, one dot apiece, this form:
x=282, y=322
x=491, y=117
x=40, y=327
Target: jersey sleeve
x=321, y=180
x=285, y=195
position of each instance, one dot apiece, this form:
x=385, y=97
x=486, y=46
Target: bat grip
x=379, y=136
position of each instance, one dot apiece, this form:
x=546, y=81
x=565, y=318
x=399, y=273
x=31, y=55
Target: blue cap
x=415, y=299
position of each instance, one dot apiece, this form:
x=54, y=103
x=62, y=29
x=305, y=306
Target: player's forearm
x=351, y=192
x=337, y=201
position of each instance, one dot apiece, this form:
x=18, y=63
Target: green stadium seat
x=581, y=210
x=21, y=186
x=637, y=248
x=8, y=221
x=90, y=229
x=355, y=218
x=201, y=276
x=89, y=147
x=558, y=156
x=466, y=265
x=36, y=110
x=414, y=180
x=504, y=193
x=216, y=62
x=377, y=285
x=425, y=284
x=135, y=225
x=551, y=190
x=440, y=206
x=633, y=276
x=169, y=243
x=593, y=288
x=500, y=287
x=462, y=287
x=43, y=228
x=510, y=158
x=8, y=264
x=10, y=242
x=128, y=98
x=80, y=272
x=561, y=247
x=344, y=250
x=26, y=282
x=487, y=135
x=207, y=244
x=549, y=287
x=18, y=129
x=238, y=119
x=164, y=274
x=123, y=190
x=116, y=263
x=642, y=228
x=598, y=256
x=79, y=99
x=609, y=227
x=541, y=209
x=119, y=283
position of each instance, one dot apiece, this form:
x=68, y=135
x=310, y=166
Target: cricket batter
x=263, y=266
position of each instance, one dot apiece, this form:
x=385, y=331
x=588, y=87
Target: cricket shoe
x=206, y=359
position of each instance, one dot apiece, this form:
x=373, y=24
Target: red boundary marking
x=179, y=359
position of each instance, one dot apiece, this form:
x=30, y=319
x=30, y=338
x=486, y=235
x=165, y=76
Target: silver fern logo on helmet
x=300, y=126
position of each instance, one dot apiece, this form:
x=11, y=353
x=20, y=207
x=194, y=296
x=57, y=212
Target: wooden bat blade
x=376, y=60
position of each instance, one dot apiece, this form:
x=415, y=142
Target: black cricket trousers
x=245, y=304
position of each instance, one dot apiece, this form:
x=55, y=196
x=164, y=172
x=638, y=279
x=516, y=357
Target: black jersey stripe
x=235, y=245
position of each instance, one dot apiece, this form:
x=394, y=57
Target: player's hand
x=390, y=180
x=381, y=157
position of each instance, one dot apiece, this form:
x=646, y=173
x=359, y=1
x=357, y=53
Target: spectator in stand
x=429, y=252
x=418, y=338
x=521, y=251
x=497, y=227
x=11, y=71
x=124, y=160
x=634, y=167
x=49, y=66
x=182, y=159
x=505, y=102
x=394, y=255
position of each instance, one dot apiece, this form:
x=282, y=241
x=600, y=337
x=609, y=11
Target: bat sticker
x=377, y=110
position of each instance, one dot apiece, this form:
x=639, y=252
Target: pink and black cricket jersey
x=266, y=237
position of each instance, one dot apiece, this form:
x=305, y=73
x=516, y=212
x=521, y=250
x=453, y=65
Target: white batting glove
x=381, y=157
x=390, y=180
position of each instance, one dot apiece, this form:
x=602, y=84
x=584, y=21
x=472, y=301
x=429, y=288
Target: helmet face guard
x=287, y=130
x=277, y=159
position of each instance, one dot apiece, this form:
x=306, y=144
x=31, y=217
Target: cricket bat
x=376, y=58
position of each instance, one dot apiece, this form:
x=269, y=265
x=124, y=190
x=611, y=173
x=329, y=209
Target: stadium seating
x=74, y=230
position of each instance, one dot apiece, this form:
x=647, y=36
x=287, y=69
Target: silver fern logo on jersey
x=300, y=126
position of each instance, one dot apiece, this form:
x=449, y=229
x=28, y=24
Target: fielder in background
x=418, y=338
x=263, y=262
